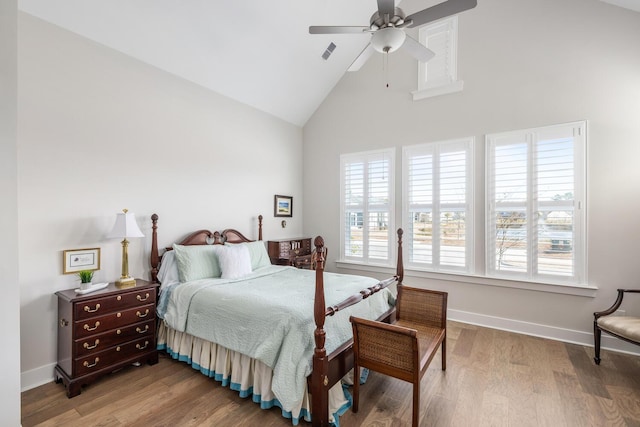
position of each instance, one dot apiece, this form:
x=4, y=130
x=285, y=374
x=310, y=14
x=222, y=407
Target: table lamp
x=125, y=227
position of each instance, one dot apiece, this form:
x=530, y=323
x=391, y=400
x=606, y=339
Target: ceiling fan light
x=387, y=39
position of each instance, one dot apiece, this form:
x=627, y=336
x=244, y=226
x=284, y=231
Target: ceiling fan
x=386, y=28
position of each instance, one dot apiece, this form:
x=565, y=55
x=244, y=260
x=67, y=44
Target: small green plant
x=85, y=276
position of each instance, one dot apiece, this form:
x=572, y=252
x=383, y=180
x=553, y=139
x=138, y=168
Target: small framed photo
x=74, y=260
x=283, y=206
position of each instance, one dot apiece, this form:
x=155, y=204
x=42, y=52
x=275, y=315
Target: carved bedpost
x=320, y=373
x=399, y=270
x=259, y=227
x=155, y=259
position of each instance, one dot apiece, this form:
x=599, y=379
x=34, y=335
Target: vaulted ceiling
x=255, y=51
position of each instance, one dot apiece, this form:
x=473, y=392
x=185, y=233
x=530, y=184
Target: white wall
x=524, y=64
x=99, y=132
x=9, y=303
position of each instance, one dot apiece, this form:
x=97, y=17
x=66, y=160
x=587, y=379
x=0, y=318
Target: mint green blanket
x=268, y=315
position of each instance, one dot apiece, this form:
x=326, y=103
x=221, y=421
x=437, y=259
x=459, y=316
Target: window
x=439, y=75
x=437, y=205
x=368, y=230
x=535, y=204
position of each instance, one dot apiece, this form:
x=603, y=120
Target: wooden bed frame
x=327, y=369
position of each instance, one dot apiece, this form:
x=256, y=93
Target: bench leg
x=356, y=387
x=416, y=404
x=444, y=353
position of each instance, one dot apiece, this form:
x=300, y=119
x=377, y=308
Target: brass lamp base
x=125, y=282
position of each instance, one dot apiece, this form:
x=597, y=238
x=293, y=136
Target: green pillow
x=197, y=262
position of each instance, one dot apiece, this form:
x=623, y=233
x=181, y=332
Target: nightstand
x=295, y=252
x=103, y=331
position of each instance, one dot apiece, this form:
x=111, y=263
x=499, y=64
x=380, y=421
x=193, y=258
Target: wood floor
x=493, y=378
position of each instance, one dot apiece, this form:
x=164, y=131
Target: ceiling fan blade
x=417, y=50
x=441, y=10
x=362, y=58
x=386, y=7
x=319, y=29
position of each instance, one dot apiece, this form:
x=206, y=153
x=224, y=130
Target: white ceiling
x=258, y=52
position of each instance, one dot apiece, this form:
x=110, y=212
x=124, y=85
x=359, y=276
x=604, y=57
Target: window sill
x=438, y=90
x=577, y=290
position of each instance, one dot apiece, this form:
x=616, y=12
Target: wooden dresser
x=105, y=330
x=295, y=252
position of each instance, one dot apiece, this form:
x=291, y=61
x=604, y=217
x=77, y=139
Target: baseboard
x=36, y=377
x=39, y=376
x=543, y=331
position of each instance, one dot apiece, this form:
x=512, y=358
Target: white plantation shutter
x=437, y=205
x=535, y=196
x=441, y=37
x=367, y=201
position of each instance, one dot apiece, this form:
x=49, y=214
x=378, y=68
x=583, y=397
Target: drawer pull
x=88, y=310
x=95, y=362
x=89, y=328
x=142, y=331
x=139, y=298
x=91, y=347
x=146, y=313
x=139, y=347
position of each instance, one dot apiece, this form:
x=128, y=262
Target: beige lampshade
x=125, y=226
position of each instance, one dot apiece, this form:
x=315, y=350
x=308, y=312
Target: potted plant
x=85, y=278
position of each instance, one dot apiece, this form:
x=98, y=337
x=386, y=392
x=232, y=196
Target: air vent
x=327, y=53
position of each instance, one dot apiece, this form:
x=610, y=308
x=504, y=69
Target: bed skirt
x=247, y=376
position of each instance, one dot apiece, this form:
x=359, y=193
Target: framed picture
x=74, y=260
x=283, y=206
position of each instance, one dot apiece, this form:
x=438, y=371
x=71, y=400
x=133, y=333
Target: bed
x=276, y=333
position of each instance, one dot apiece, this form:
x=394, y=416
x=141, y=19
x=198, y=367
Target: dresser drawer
x=100, y=324
x=303, y=261
x=98, y=306
x=103, y=359
x=100, y=342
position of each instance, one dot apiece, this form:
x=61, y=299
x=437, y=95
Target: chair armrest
x=616, y=304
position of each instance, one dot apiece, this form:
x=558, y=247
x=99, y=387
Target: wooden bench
x=405, y=348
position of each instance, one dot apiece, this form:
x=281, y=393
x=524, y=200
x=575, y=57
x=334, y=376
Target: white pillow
x=235, y=261
x=197, y=262
x=168, y=273
x=257, y=253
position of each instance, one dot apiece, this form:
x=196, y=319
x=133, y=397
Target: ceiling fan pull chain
x=386, y=67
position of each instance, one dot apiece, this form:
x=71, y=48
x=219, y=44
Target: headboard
x=200, y=237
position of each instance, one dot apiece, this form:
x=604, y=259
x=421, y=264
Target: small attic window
x=439, y=76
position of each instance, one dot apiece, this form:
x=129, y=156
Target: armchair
x=626, y=328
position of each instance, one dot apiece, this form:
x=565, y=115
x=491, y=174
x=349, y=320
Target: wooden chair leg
x=597, y=333
x=416, y=404
x=444, y=353
x=356, y=387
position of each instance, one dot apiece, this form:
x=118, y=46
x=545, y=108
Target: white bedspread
x=268, y=315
